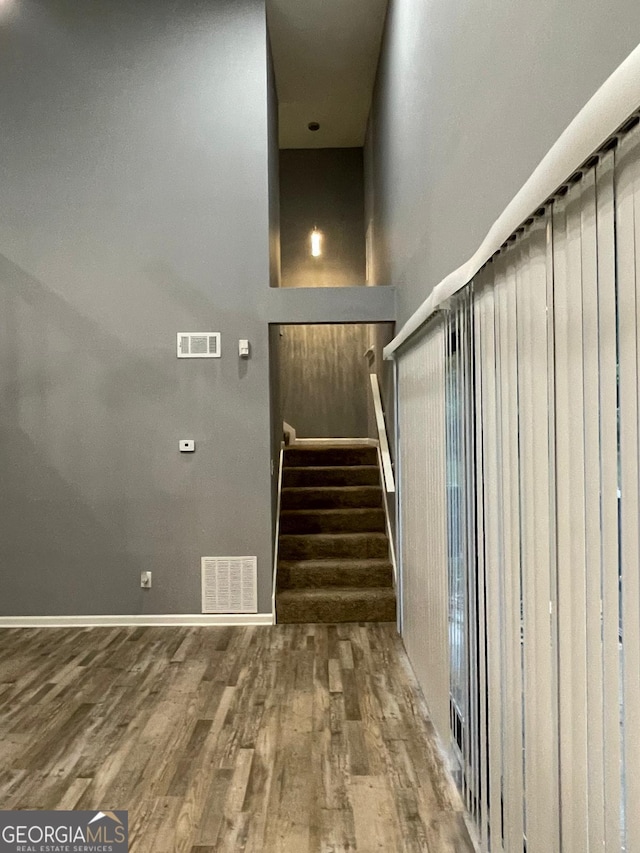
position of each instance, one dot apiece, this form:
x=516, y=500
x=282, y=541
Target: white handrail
x=605, y=113
x=277, y=534
x=385, y=455
x=384, y=460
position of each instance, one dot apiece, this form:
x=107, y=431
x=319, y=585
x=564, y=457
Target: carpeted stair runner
x=333, y=554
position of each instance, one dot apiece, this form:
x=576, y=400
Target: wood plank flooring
x=282, y=739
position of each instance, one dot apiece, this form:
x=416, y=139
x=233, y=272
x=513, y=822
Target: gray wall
x=291, y=305
x=469, y=98
x=325, y=188
x=134, y=204
x=323, y=380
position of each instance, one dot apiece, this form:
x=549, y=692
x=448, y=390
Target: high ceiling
x=325, y=54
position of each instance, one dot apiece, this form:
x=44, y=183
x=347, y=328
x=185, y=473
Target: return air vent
x=199, y=345
x=229, y=585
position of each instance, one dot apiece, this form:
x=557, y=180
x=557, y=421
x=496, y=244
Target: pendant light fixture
x=316, y=243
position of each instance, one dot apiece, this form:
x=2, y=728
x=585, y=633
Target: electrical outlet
x=145, y=580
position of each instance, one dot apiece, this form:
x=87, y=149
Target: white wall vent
x=199, y=345
x=229, y=584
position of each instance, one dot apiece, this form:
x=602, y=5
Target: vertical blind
x=421, y=378
x=519, y=429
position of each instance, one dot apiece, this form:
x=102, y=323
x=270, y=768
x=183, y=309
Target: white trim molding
x=160, y=619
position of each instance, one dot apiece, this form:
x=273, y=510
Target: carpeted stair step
x=335, y=604
x=298, y=574
x=295, y=457
x=333, y=551
x=350, y=520
x=330, y=497
x=331, y=475
x=318, y=546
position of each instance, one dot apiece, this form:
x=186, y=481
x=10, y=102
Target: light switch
x=243, y=348
x=187, y=445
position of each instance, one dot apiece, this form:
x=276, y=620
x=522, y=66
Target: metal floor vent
x=229, y=584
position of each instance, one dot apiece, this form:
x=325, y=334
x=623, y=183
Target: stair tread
x=357, y=535
x=319, y=476
x=343, y=562
x=330, y=455
x=337, y=488
x=331, y=497
x=329, y=444
x=349, y=468
x=350, y=572
x=333, y=510
x=338, y=592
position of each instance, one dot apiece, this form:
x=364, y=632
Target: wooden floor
x=288, y=738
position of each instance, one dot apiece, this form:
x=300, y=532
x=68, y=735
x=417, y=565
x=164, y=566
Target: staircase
x=333, y=553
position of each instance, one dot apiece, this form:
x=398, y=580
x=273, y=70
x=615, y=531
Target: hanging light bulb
x=316, y=243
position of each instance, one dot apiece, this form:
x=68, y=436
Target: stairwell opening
x=333, y=556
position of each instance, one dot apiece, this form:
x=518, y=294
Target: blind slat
x=627, y=224
x=608, y=402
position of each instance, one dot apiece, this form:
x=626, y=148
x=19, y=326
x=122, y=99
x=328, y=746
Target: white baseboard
x=160, y=619
x=347, y=442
